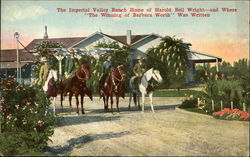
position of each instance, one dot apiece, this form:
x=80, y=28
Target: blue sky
x=29, y=18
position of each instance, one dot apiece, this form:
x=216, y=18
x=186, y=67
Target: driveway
x=169, y=131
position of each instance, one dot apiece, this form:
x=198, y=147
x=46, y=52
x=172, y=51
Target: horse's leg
x=104, y=102
x=82, y=104
x=138, y=99
x=62, y=99
x=117, y=103
x=143, y=97
x=107, y=103
x=77, y=103
x=111, y=100
x=130, y=97
x=134, y=96
x=151, y=100
x=54, y=105
x=70, y=99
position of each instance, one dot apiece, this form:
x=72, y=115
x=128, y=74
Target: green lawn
x=169, y=93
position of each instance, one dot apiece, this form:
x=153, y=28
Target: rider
x=44, y=71
x=71, y=63
x=139, y=70
x=107, y=67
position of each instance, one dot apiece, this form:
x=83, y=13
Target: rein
x=122, y=79
x=77, y=75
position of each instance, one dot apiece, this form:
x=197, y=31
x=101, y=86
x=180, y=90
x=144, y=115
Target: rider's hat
x=43, y=59
x=71, y=51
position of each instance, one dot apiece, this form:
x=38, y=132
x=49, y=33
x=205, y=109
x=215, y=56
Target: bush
x=225, y=90
x=25, y=125
x=189, y=102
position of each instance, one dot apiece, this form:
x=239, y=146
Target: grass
x=168, y=93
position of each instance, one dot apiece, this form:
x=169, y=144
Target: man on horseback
x=44, y=71
x=138, y=70
x=71, y=64
x=107, y=67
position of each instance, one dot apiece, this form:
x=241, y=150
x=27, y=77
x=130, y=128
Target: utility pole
x=16, y=35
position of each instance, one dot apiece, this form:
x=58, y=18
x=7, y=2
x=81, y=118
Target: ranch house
x=137, y=43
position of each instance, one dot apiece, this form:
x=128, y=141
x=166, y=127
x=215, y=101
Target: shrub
x=189, y=102
x=25, y=124
x=225, y=90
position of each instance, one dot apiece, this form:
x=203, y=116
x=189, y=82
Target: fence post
x=212, y=105
x=198, y=102
x=232, y=105
x=244, y=107
x=221, y=105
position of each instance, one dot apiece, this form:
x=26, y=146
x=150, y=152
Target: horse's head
x=157, y=76
x=120, y=72
x=53, y=74
x=85, y=71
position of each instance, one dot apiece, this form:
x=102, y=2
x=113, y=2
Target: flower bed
x=234, y=114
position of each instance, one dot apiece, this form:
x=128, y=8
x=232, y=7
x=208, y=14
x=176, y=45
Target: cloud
x=13, y=13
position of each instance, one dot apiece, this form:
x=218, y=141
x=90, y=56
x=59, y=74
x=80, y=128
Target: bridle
x=121, y=74
x=155, y=75
x=82, y=69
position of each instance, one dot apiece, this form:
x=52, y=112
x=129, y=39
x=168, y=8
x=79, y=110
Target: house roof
x=9, y=55
x=199, y=57
x=67, y=42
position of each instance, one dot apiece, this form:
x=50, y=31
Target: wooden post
x=212, y=105
x=221, y=105
x=198, y=103
x=244, y=107
x=232, y=105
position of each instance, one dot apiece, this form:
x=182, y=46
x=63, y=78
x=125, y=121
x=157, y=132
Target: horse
x=145, y=87
x=77, y=86
x=50, y=87
x=115, y=85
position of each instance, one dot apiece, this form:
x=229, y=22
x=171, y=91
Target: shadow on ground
x=82, y=119
x=135, y=108
x=68, y=147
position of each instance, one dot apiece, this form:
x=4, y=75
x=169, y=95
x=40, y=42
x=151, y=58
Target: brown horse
x=115, y=85
x=77, y=86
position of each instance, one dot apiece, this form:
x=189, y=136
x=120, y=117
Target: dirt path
x=168, y=131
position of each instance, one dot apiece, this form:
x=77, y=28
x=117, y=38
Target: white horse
x=144, y=87
x=50, y=88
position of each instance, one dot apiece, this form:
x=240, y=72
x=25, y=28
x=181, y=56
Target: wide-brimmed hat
x=139, y=57
x=43, y=59
x=71, y=51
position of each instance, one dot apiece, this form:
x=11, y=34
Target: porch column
x=217, y=65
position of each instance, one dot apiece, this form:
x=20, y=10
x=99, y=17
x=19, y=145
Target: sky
x=223, y=34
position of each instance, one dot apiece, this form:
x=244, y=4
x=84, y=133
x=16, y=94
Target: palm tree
x=174, y=52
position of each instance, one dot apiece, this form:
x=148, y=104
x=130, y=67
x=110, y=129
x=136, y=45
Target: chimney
x=45, y=34
x=128, y=37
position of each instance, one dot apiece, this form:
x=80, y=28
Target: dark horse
x=77, y=86
x=115, y=85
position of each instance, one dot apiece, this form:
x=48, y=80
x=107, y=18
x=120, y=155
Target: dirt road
x=168, y=131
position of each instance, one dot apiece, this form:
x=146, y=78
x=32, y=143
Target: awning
x=11, y=65
x=198, y=57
